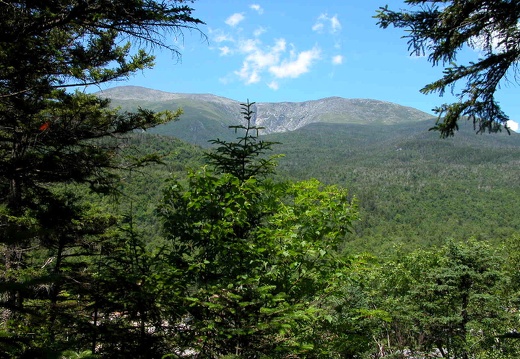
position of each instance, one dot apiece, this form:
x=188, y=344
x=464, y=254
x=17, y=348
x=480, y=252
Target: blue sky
x=298, y=50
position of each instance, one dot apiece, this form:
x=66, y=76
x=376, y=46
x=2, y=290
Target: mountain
x=208, y=116
x=414, y=189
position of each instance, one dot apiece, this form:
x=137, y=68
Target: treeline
x=414, y=190
x=239, y=264
x=115, y=244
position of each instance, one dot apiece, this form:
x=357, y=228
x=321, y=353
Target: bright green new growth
x=256, y=260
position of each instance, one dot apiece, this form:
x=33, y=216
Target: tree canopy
x=54, y=140
x=441, y=29
x=46, y=132
x=243, y=158
x=256, y=261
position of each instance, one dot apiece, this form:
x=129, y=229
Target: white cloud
x=257, y=8
x=220, y=36
x=268, y=62
x=254, y=77
x=335, y=24
x=224, y=50
x=264, y=58
x=257, y=59
x=235, y=19
x=248, y=45
x=279, y=45
x=512, y=125
x=337, y=60
x=273, y=85
x=296, y=67
x=248, y=74
x=259, y=31
x=318, y=27
x=332, y=23
x=491, y=42
x=261, y=60
x=491, y=39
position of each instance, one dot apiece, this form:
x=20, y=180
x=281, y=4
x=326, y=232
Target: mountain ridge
x=413, y=187
x=131, y=92
x=144, y=93
x=208, y=112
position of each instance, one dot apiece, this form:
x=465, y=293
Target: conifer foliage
x=441, y=29
x=255, y=260
x=244, y=158
x=56, y=142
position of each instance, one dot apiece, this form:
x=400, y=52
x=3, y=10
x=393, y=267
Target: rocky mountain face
x=290, y=116
x=275, y=117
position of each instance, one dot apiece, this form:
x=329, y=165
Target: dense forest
x=120, y=243
x=324, y=275
x=405, y=179
x=414, y=189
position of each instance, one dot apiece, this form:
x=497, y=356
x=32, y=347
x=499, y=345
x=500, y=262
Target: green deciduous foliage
x=53, y=141
x=256, y=260
x=440, y=29
x=451, y=301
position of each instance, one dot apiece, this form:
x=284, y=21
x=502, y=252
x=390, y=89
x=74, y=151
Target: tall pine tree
x=253, y=261
x=52, y=140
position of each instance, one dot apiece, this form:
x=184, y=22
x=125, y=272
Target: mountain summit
x=207, y=116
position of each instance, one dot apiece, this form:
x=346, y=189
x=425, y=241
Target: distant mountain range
x=414, y=188
x=208, y=116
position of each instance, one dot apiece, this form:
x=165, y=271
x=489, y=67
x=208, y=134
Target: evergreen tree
x=452, y=301
x=254, y=261
x=244, y=158
x=53, y=140
x=440, y=29
x=129, y=321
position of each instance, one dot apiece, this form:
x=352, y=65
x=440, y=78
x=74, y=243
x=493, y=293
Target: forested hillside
x=180, y=238
x=347, y=230
x=413, y=188
x=437, y=234
x=406, y=178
